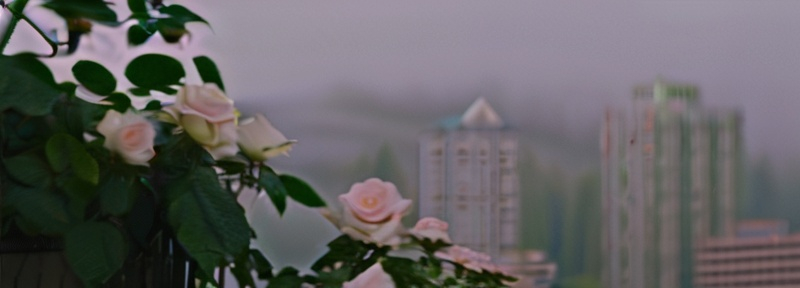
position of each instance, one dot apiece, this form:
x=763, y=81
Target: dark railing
x=40, y=262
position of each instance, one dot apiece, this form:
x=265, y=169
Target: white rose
x=208, y=117
x=373, y=277
x=128, y=135
x=259, y=140
x=431, y=228
x=372, y=212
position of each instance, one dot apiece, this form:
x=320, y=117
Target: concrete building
x=468, y=177
x=670, y=172
x=761, y=254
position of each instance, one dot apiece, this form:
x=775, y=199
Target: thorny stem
x=17, y=15
x=12, y=24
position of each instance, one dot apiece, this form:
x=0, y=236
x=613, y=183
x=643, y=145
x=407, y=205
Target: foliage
x=59, y=177
x=347, y=258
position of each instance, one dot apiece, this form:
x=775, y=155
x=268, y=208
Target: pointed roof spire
x=481, y=115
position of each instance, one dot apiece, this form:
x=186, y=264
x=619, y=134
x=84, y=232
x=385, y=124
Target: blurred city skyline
x=374, y=74
x=562, y=62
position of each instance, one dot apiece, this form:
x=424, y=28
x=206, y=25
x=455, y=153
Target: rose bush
x=130, y=135
x=114, y=170
x=208, y=115
x=259, y=140
x=62, y=175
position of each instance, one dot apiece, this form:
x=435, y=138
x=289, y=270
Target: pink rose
x=373, y=277
x=129, y=135
x=372, y=212
x=470, y=259
x=373, y=201
x=431, y=228
x=208, y=116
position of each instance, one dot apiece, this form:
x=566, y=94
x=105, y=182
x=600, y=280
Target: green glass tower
x=671, y=170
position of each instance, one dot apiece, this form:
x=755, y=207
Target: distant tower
x=670, y=172
x=468, y=177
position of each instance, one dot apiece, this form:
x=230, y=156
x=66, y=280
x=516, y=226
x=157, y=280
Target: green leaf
x=301, y=192
x=208, y=71
x=429, y=246
x=166, y=90
x=138, y=35
x=272, y=184
x=64, y=151
x=174, y=27
x=179, y=155
x=117, y=191
x=406, y=272
x=154, y=71
x=241, y=270
x=288, y=278
x=94, y=77
x=207, y=220
x=42, y=208
x=139, y=220
x=141, y=92
x=262, y=265
x=21, y=132
x=29, y=169
x=76, y=116
x=153, y=105
x=356, y=254
x=232, y=166
x=58, y=158
x=68, y=87
x=335, y=278
x=26, y=85
x=120, y=102
x=181, y=14
x=138, y=9
x=95, y=251
x=91, y=9
x=79, y=194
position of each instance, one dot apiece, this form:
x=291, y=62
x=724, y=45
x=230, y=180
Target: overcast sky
x=563, y=59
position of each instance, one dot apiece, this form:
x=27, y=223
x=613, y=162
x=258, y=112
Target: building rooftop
x=481, y=115
x=662, y=91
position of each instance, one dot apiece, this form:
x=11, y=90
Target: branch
x=19, y=16
x=12, y=24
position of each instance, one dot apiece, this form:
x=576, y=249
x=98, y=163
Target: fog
x=346, y=77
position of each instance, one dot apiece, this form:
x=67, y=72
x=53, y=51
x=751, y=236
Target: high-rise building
x=468, y=177
x=670, y=172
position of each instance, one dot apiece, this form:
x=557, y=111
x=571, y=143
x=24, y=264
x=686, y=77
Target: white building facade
x=468, y=177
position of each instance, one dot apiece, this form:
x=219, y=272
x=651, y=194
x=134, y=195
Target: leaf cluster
x=347, y=258
x=150, y=17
